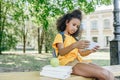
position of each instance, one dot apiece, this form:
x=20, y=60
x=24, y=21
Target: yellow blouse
x=71, y=55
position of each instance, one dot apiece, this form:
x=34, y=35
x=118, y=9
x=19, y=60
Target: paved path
x=96, y=55
x=99, y=55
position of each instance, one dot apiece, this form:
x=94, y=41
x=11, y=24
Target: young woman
x=70, y=50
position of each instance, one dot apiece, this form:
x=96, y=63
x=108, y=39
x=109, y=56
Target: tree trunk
x=2, y=27
x=40, y=40
x=24, y=38
x=46, y=42
x=0, y=32
x=24, y=43
x=46, y=49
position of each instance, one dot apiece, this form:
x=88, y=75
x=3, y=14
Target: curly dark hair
x=61, y=22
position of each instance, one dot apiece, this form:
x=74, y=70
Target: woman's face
x=72, y=26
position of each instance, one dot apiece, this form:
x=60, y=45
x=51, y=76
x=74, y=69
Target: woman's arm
x=79, y=44
x=62, y=51
x=84, y=52
x=87, y=52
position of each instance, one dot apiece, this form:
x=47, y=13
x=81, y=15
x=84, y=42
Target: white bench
x=33, y=76
x=115, y=69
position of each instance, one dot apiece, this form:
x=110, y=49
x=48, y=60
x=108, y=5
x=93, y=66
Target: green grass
x=101, y=62
x=12, y=62
x=15, y=62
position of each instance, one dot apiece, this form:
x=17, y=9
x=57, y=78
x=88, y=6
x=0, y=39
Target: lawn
x=24, y=62
x=31, y=62
x=101, y=62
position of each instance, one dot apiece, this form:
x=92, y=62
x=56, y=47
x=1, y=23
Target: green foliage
x=57, y=7
x=7, y=36
x=9, y=41
x=14, y=13
x=49, y=37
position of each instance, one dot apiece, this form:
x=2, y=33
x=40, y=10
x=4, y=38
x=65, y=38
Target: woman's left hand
x=95, y=49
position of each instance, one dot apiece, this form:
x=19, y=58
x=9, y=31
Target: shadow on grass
x=13, y=63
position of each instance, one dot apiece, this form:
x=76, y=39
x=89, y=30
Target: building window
x=83, y=38
x=94, y=25
x=95, y=39
x=107, y=41
x=106, y=24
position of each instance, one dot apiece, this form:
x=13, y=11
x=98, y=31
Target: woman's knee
x=101, y=73
x=82, y=70
x=105, y=75
x=75, y=69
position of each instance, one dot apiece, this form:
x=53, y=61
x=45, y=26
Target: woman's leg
x=93, y=71
x=111, y=77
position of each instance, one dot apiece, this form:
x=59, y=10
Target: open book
x=92, y=45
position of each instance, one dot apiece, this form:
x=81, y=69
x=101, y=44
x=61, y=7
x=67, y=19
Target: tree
x=40, y=11
x=44, y=10
x=8, y=28
x=21, y=17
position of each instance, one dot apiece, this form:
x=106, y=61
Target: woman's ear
x=66, y=22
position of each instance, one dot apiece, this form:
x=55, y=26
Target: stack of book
x=60, y=72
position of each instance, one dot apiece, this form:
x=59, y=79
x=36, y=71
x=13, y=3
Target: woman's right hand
x=82, y=44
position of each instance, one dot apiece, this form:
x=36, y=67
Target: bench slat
x=33, y=76
x=115, y=69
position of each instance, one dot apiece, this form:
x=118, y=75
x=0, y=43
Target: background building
x=98, y=26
